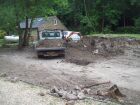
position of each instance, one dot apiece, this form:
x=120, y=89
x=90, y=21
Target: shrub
x=137, y=22
x=2, y=34
x=129, y=30
x=107, y=29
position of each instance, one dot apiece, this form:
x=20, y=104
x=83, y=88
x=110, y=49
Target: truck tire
x=39, y=55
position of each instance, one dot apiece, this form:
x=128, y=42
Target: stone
x=81, y=95
x=70, y=103
x=69, y=96
x=3, y=75
x=41, y=94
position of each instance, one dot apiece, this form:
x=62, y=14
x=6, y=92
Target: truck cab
x=58, y=34
x=48, y=34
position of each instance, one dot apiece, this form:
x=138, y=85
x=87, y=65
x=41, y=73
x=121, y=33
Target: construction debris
x=84, y=93
x=76, y=94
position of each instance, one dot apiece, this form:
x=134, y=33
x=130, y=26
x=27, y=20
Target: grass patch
x=4, y=44
x=136, y=36
x=1, y=42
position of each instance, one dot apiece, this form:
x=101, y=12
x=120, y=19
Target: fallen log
x=97, y=84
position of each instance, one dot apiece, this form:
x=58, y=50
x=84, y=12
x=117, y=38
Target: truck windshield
x=50, y=34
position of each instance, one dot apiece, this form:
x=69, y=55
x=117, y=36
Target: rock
x=3, y=75
x=86, y=91
x=54, y=94
x=101, y=93
x=77, y=88
x=54, y=90
x=70, y=103
x=62, y=93
x=81, y=95
x=41, y=94
x=69, y=96
x=74, y=92
x=13, y=80
x=95, y=51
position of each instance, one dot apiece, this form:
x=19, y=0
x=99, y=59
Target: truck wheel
x=40, y=56
x=62, y=55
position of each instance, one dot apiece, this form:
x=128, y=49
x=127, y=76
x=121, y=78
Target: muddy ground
x=121, y=68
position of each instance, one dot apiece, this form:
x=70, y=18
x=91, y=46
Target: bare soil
x=90, y=49
x=95, y=65
x=51, y=43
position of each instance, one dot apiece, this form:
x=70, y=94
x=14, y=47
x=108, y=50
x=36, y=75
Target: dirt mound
x=88, y=49
x=51, y=43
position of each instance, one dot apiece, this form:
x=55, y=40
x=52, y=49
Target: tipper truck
x=51, y=43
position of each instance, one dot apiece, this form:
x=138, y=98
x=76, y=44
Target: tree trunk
x=29, y=31
x=102, y=27
x=124, y=21
x=25, y=37
x=103, y=18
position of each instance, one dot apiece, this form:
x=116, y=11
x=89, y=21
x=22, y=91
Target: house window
x=55, y=22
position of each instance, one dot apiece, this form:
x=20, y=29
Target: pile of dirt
x=88, y=49
x=51, y=43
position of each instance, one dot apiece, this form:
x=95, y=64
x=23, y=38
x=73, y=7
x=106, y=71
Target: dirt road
x=123, y=70
x=26, y=94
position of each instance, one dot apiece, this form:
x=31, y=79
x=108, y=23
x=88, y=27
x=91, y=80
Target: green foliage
x=7, y=19
x=130, y=30
x=2, y=34
x=87, y=26
x=107, y=29
x=137, y=22
x=87, y=16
